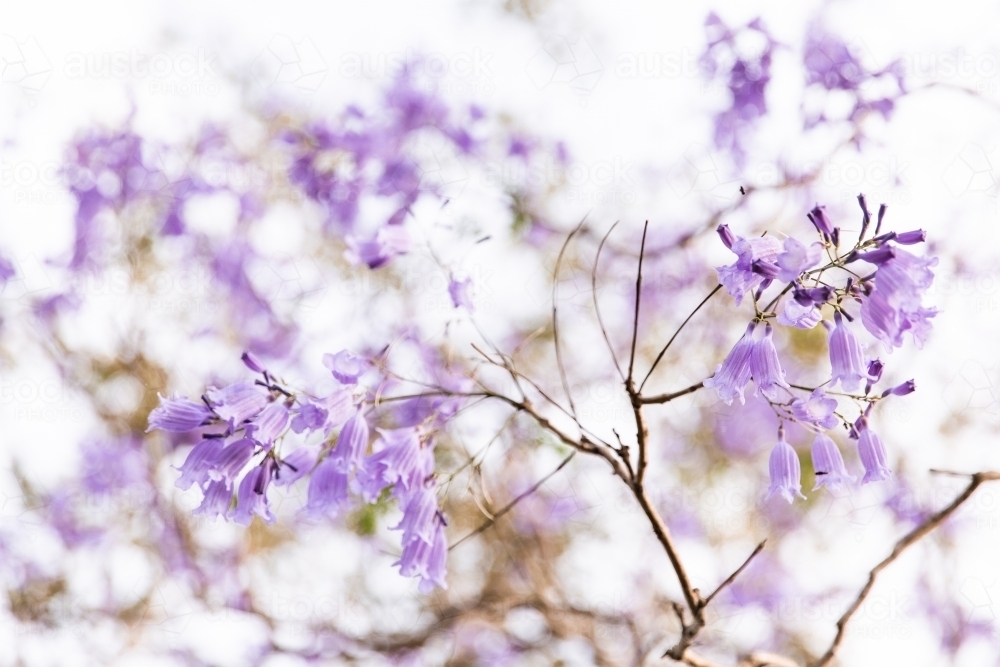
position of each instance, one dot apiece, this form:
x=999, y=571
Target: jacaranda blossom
x=178, y=415
x=817, y=410
x=732, y=375
x=401, y=461
x=346, y=366
x=794, y=314
x=796, y=259
x=460, y=292
x=828, y=464
x=238, y=402
x=872, y=453
x=846, y=357
x=251, y=498
x=740, y=277
x=200, y=463
x=894, y=305
x=765, y=368
x=786, y=472
x=328, y=491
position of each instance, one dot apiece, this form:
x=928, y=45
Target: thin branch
x=555, y=318
x=735, y=574
x=597, y=308
x=638, y=298
x=912, y=537
x=667, y=346
x=666, y=398
x=509, y=506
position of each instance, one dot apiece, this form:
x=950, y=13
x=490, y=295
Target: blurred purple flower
x=346, y=366
x=238, y=402
x=328, y=489
x=461, y=293
x=872, y=453
x=894, y=305
x=251, y=498
x=797, y=258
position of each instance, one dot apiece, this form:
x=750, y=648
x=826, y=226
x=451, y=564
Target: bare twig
x=597, y=307
x=909, y=539
x=669, y=342
x=509, y=506
x=735, y=574
x=666, y=398
x=638, y=298
x=555, y=317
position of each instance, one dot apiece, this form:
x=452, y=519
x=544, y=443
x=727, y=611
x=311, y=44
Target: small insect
x=742, y=191
x=820, y=472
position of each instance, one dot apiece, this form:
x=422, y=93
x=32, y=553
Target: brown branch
x=735, y=574
x=910, y=538
x=638, y=298
x=666, y=398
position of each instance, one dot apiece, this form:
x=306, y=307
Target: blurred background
x=170, y=195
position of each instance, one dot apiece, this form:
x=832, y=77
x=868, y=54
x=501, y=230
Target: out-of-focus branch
x=909, y=539
x=679, y=329
x=509, y=506
x=731, y=578
x=666, y=398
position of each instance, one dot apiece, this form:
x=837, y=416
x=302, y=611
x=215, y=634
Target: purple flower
x=786, y=472
x=308, y=417
x=238, y=402
x=296, y=465
x=401, y=460
x=872, y=453
x=732, y=375
x=229, y=463
x=346, y=366
x=252, y=362
x=217, y=500
x=327, y=489
x=797, y=258
x=6, y=270
x=765, y=369
x=828, y=464
x=817, y=216
x=200, y=463
x=425, y=546
x=794, y=314
x=740, y=277
x=251, y=499
x=903, y=389
x=390, y=242
x=461, y=293
x=352, y=443
x=846, y=357
x=269, y=424
x=178, y=415
x=894, y=307
x=818, y=410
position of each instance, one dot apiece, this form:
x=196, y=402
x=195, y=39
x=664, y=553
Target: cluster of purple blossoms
x=243, y=426
x=815, y=290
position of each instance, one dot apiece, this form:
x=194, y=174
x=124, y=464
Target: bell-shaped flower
x=846, y=357
x=346, y=366
x=217, y=501
x=251, y=498
x=238, y=402
x=732, y=375
x=828, y=464
x=765, y=368
x=328, y=488
x=872, y=453
x=740, y=277
x=178, y=415
x=200, y=463
x=296, y=465
x=786, y=472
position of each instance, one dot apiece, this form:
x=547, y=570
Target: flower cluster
x=243, y=428
x=820, y=284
